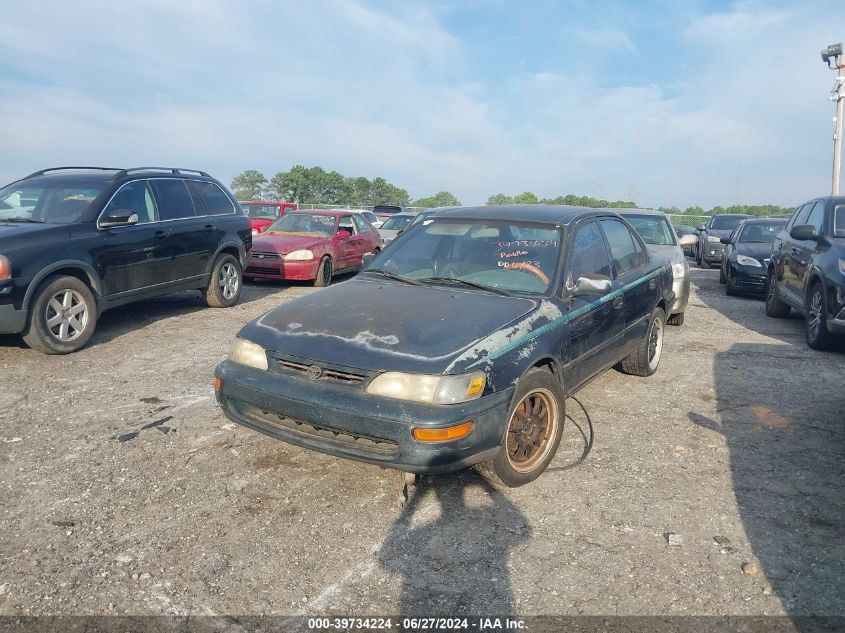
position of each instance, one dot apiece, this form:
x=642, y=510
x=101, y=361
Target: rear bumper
x=12, y=321
x=295, y=271
x=348, y=422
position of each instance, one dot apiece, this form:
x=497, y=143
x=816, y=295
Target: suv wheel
x=224, y=287
x=645, y=360
x=774, y=307
x=816, y=321
x=62, y=316
x=533, y=433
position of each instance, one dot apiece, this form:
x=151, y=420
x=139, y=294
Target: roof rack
x=44, y=171
x=173, y=170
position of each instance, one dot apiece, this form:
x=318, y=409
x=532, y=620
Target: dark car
x=746, y=257
x=710, y=234
x=807, y=271
x=457, y=345
x=77, y=241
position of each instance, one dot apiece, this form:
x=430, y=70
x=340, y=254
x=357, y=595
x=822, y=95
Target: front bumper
x=681, y=288
x=280, y=269
x=748, y=278
x=347, y=422
x=12, y=321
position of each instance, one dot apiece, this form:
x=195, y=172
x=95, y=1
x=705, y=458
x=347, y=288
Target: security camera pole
x=834, y=52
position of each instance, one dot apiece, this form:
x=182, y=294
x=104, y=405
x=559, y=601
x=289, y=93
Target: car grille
x=304, y=369
x=362, y=444
x=264, y=256
x=257, y=270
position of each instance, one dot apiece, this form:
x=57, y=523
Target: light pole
x=837, y=95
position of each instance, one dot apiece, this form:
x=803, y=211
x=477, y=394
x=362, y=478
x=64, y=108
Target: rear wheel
x=816, y=320
x=645, y=360
x=324, y=273
x=775, y=308
x=62, y=317
x=535, y=426
x=224, y=287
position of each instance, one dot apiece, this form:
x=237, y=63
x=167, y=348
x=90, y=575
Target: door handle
x=209, y=227
x=160, y=235
x=618, y=302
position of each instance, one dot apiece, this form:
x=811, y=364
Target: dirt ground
x=713, y=487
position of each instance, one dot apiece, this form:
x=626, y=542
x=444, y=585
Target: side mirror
x=688, y=240
x=725, y=240
x=119, y=217
x=586, y=286
x=368, y=257
x=804, y=232
x=343, y=234
x=702, y=227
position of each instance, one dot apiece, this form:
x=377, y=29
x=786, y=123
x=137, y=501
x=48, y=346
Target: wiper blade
x=394, y=276
x=21, y=220
x=469, y=284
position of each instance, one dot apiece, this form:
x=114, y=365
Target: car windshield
x=839, y=220
x=726, y=222
x=396, y=223
x=653, y=229
x=304, y=224
x=262, y=211
x=511, y=256
x=760, y=232
x=59, y=203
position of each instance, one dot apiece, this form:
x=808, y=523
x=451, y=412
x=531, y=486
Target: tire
x=722, y=278
x=224, y=287
x=775, y=308
x=676, y=319
x=730, y=289
x=62, y=316
x=815, y=322
x=645, y=360
x=324, y=273
x=538, y=403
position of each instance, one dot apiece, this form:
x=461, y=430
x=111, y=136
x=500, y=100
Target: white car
x=372, y=218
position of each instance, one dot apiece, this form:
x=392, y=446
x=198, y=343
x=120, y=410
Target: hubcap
x=814, y=315
x=530, y=430
x=228, y=280
x=655, y=343
x=66, y=315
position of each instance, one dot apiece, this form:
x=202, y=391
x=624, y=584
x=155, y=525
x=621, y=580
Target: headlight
x=431, y=389
x=679, y=270
x=298, y=256
x=743, y=260
x=249, y=354
x=5, y=268
x=713, y=238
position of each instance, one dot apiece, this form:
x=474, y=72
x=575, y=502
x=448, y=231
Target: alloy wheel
x=655, y=343
x=228, y=280
x=814, y=315
x=66, y=315
x=531, y=429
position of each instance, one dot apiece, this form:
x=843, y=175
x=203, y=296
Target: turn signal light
x=5, y=268
x=218, y=382
x=442, y=435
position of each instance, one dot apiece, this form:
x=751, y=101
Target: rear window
x=213, y=199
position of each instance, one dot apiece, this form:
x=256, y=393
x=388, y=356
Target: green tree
x=694, y=211
x=383, y=192
x=526, y=197
x=357, y=191
x=499, y=198
x=291, y=185
x=249, y=185
x=440, y=199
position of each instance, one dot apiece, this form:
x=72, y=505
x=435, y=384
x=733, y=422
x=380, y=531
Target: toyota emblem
x=315, y=372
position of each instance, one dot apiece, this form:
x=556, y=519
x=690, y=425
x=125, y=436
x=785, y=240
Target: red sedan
x=262, y=213
x=311, y=245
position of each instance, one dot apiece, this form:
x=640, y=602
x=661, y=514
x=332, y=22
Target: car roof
x=336, y=212
x=72, y=175
x=630, y=211
x=263, y=202
x=755, y=220
x=545, y=213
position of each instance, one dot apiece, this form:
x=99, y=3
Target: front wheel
x=62, y=316
x=775, y=308
x=645, y=360
x=224, y=287
x=730, y=287
x=535, y=426
x=816, y=321
x=722, y=278
x=324, y=273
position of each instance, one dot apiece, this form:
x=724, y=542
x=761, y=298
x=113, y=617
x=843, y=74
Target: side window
x=345, y=224
x=816, y=217
x=361, y=224
x=589, y=254
x=174, y=199
x=212, y=197
x=622, y=246
x=137, y=197
x=800, y=216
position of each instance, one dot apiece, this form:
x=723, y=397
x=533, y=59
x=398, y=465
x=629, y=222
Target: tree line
x=314, y=185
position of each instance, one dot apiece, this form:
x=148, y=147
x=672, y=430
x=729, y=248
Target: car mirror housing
x=688, y=240
x=585, y=286
x=368, y=257
x=804, y=232
x=343, y=234
x=725, y=240
x=119, y=217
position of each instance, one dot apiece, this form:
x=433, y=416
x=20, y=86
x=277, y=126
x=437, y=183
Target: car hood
x=373, y=325
x=665, y=254
x=283, y=243
x=388, y=233
x=16, y=234
x=761, y=251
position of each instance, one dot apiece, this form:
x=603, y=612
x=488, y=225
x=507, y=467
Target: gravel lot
x=713, y=487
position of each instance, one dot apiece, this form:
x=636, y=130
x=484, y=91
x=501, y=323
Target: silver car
x=663, y=245
x=393, y=225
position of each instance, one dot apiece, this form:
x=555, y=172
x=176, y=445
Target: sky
x=669, y=103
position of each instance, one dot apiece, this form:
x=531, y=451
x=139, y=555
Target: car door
x=133, y=257
x=369, y=238
x=192, y=237
x=804, y=250
x=596, y=321
x=787, y=252
x=351, y=247
x=629, y=256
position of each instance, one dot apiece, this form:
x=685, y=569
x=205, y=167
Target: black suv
x=807, y=271
x=75, y=241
